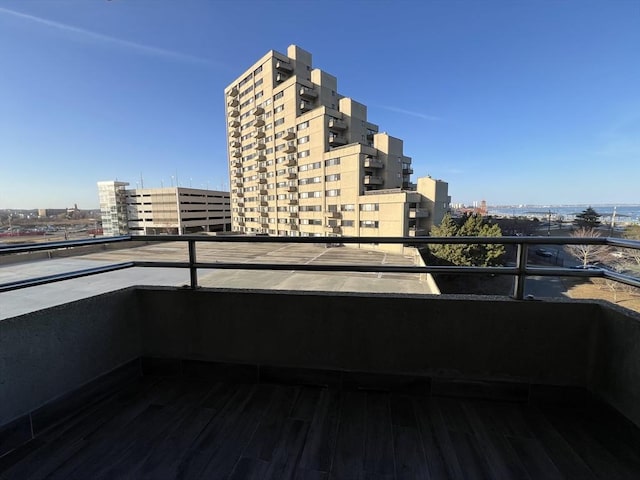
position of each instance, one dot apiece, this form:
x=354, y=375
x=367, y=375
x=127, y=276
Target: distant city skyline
x=529, y=102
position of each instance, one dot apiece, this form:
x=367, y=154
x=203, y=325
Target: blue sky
x=514, y=102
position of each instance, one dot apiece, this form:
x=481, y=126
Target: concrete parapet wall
x=537, y=342
x=49, y=353
x=616, y=375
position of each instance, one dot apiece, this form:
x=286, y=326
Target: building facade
x=305, y=161
x=169, y=210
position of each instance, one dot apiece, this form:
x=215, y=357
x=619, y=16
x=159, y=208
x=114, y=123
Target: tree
x=472, y=254
x=587, y=253
x=588, y=218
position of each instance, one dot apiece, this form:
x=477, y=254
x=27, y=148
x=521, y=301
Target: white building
x=169, y=210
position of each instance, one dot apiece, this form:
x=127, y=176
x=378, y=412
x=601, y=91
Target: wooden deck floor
x=181, y=428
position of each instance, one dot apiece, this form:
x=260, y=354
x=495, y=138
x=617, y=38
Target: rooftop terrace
x=171, y=382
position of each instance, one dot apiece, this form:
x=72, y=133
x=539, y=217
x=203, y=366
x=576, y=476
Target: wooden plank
x=409, y=457
x=236, y=434
x=348, y=461
x=321, y=440
x=501, y=460
x=378, y=456
x=306, y=403
x=535, y=459
x=566, y=460
x=441, y=459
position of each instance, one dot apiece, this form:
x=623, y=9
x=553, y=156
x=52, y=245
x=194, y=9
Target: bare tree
x=587, y=253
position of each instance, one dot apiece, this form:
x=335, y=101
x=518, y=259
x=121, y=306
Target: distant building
x=169, y=210
x=305, y=161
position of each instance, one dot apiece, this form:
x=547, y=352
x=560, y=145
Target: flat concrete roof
x=35, y=298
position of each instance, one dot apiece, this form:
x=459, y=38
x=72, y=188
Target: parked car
x=541, y=252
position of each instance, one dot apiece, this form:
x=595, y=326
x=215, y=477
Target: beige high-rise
x=305, y=161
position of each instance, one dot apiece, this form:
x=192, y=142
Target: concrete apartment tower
x=305, y=161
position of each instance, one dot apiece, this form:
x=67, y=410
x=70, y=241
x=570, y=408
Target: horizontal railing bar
x=38, y=247
x=618, y=242
x=622, y=278
x=58, y=277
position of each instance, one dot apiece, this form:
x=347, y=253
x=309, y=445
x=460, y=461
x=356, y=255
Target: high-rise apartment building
x=167, y=210
x=305, y=161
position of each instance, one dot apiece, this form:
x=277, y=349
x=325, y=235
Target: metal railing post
x=193, y=271
x=521, y=277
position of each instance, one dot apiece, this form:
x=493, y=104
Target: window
x=310, y=208
x=332, y=161
x=303, y=125
x=332, y=178
x=333, y=193
x=280, y=121
x=278, y=95
x=309, y=181
x=257, y=70
x=316, y=194
x=304, y=139
x=347, y=223
x=347, y=207
x=309, y=166
x=304, y=153
x=368, y=224
x=369, y=207
x=259, y=82
x=278, y=109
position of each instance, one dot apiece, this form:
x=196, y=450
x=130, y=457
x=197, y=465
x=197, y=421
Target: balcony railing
x=521, y=270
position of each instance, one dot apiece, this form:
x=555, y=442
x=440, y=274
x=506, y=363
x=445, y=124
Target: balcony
x=333, y=214
x=234, y=123
x=294, y=226
x=407, y=171
x=337, y=124
x=308, y=93
x=233, y=92
x=262, y=181
x=263, y=191
x=235, y=144
x=305, y=106
x=259, y=134
x=281, y=77
x=240, y=214
x=293, y=214
x=290, y=135
x=417, y=232
x=240, y=204
x=292, y=176
x=371, y=162
x=333, y=229
x=233, y=102
x=234, y=112
x=259, y=122
x=290, y=148
x=293, y=201
x=237, y=153
x=261, y=157
x=237, y=173
x=292, y=161
x=258, y=111
x=372, y=180
x=235, y=133
x=292, y=188
x=337, y=140
x=238, y=184
x=260, y=146
x=284, y=66
x=262, y=168
x=241, y=223
x=264, y=203
x=418, y=213
x=150, y=380
x=240, y=194
x=236, y=163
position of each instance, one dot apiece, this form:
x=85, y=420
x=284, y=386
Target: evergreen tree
x=588, y=218
x=472, y=254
